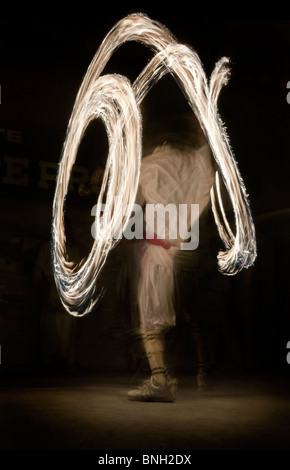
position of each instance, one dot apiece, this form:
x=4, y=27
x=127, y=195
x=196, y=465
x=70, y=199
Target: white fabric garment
x=169, y=176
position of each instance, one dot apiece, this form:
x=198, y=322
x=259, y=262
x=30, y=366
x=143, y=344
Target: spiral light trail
x=116, y=102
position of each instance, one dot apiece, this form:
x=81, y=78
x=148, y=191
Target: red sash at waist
x=157, y=241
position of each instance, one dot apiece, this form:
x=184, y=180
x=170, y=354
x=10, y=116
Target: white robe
x=169, y=176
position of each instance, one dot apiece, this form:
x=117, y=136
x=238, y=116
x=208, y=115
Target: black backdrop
x=43, y=62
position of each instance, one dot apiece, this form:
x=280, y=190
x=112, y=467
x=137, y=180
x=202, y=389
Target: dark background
x=42, y=63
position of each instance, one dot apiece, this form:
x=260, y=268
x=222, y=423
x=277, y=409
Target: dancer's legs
x=154, y=346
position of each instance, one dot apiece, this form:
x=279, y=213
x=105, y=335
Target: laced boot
x=151, y=391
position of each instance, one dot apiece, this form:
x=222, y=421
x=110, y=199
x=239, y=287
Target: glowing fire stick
x=116, y=102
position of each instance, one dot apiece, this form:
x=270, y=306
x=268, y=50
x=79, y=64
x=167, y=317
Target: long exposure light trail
x=117, y=103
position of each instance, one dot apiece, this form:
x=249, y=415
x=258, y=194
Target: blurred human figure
x=93, y=186
x=57, y=327
x=177, y=172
